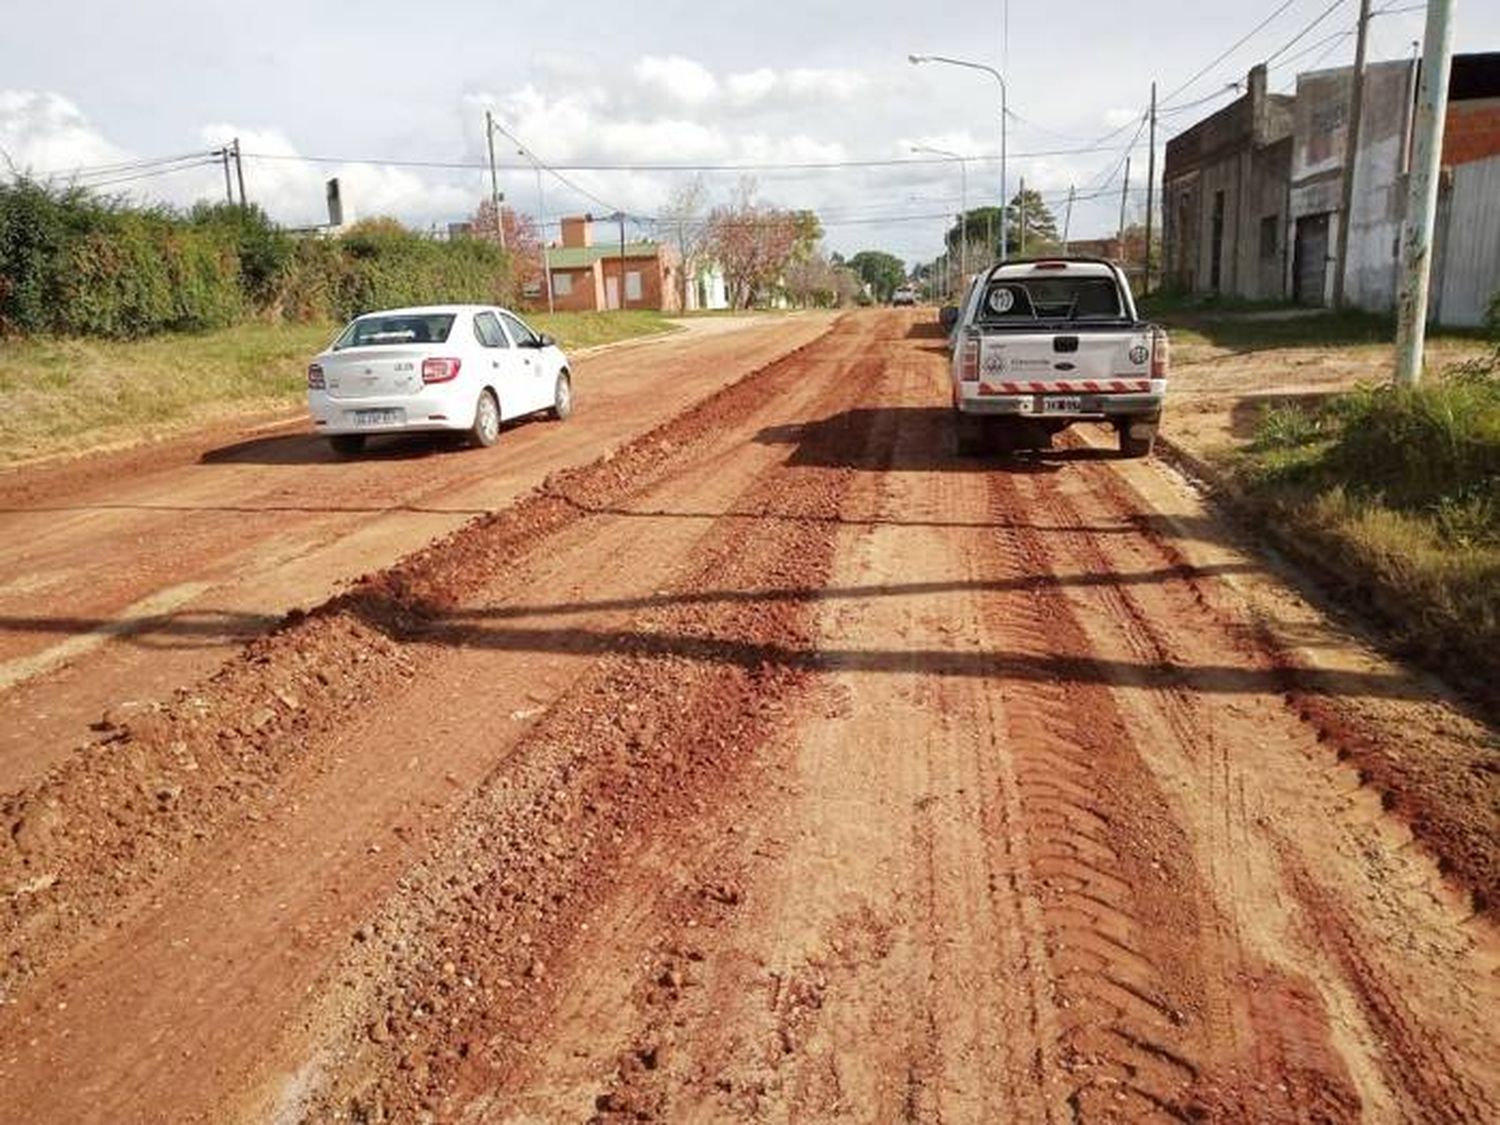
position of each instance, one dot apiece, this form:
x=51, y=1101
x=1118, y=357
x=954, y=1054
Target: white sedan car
x=465, y=368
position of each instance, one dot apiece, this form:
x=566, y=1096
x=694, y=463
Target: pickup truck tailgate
x=1086, y=362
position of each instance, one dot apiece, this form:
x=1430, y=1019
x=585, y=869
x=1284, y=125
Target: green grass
x=1249, y=327
x=590, y=329
x=61, y=395
x=1396, y=492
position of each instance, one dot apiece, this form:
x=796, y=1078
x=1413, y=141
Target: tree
x=682, y=219
x=982, y=226
x=754, y=242
x=1041, y=224
x=882, y=272
x=522, y=246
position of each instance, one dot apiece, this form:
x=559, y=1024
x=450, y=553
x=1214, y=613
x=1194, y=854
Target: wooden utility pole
x=1351, y=156
x=495, y=196
x=239, y=170
x=1422, y=198
x=1124, y=195
x=228, y=187
x=1151, y=189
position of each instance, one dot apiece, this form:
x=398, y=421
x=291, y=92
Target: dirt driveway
x=779, y=767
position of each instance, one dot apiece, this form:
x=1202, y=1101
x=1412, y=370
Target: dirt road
x=122, y=577
x=779, y=767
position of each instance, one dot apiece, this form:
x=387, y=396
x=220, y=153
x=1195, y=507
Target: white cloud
x=45, y=133
x=677, y=79
x=751, y=86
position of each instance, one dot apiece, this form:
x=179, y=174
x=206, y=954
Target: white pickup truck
x=1041, y=344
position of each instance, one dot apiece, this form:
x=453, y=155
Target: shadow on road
x=920, y=439
x=310, y=449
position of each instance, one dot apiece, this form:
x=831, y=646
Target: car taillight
x=315, y=377
x=968, y=361
x=1161, y=354
x=440, y=370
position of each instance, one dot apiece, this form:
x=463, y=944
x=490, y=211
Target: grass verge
x=65, y=395
x=1395, y=493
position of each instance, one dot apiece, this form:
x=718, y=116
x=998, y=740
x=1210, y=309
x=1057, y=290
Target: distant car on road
x=904, y=295
x=464, y=368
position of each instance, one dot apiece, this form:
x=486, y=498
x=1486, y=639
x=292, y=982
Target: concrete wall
x=1244, y=152
x=1319, y=141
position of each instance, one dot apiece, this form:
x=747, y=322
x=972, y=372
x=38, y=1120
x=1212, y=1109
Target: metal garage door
x=1310, y=260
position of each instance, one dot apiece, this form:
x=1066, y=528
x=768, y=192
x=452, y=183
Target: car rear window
x=1050, y=298
x=374, y=331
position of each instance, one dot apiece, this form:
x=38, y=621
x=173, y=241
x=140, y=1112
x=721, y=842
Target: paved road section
x=780, y=767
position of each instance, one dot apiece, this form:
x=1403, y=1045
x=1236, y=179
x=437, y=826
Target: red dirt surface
x=777, y=766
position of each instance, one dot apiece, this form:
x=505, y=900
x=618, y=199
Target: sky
x=391, y=99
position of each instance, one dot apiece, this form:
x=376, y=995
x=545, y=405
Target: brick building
x=586, y=276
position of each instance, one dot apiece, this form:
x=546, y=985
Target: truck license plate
x=1062, y=404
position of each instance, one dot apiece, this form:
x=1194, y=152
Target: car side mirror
x=948, y=317
x=545, y=341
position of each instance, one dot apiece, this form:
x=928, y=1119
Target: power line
x=1323, y=15
x=1238, y=43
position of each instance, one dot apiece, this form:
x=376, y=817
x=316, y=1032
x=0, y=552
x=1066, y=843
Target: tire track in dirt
x=1285, y=1054
x=552, y=831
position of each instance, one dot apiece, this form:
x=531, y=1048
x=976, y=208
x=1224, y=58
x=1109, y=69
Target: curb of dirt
x=1352, y=592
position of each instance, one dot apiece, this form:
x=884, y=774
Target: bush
x=76, y=264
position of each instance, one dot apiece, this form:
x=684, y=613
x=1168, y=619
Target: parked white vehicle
x=1041, y=344
x=464, y=368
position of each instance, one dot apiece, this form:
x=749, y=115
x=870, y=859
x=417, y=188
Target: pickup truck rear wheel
x=1132, y=445
x=969, y=434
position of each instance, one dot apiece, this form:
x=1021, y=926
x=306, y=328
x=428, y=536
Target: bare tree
x=522, y=245
x=753, y=242
x=683, y=219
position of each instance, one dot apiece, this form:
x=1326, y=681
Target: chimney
x=1256, y=85
x=577, y=231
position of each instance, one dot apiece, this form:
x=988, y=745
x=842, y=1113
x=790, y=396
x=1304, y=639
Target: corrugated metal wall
x=1470, y=257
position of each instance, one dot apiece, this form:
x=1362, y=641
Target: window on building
x=562, y=284
x=633, y=285
x=1270, y=235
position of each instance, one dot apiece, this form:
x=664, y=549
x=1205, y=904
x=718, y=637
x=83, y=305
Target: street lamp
x=1004, y=113
x=963, y=223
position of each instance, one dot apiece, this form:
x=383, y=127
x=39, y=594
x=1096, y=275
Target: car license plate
x=377, y=417
x=1062, y=404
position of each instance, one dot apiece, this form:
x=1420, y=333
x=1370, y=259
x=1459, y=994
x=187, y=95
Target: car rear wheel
x=347, y=445
x=562, y=398
x=486, y=428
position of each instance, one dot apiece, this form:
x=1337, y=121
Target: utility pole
x=1151, y=185
x=495, y=196
x=1124, y=195
x=1068, y=218
x=621, y=216
x=1021, y=198
x=223, y=155
x=989, y=238
x=239, y=170
x=1351, y=156
x=1421, y=201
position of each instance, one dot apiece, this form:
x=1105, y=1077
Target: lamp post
x=963, y=197
x=1004, y=113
